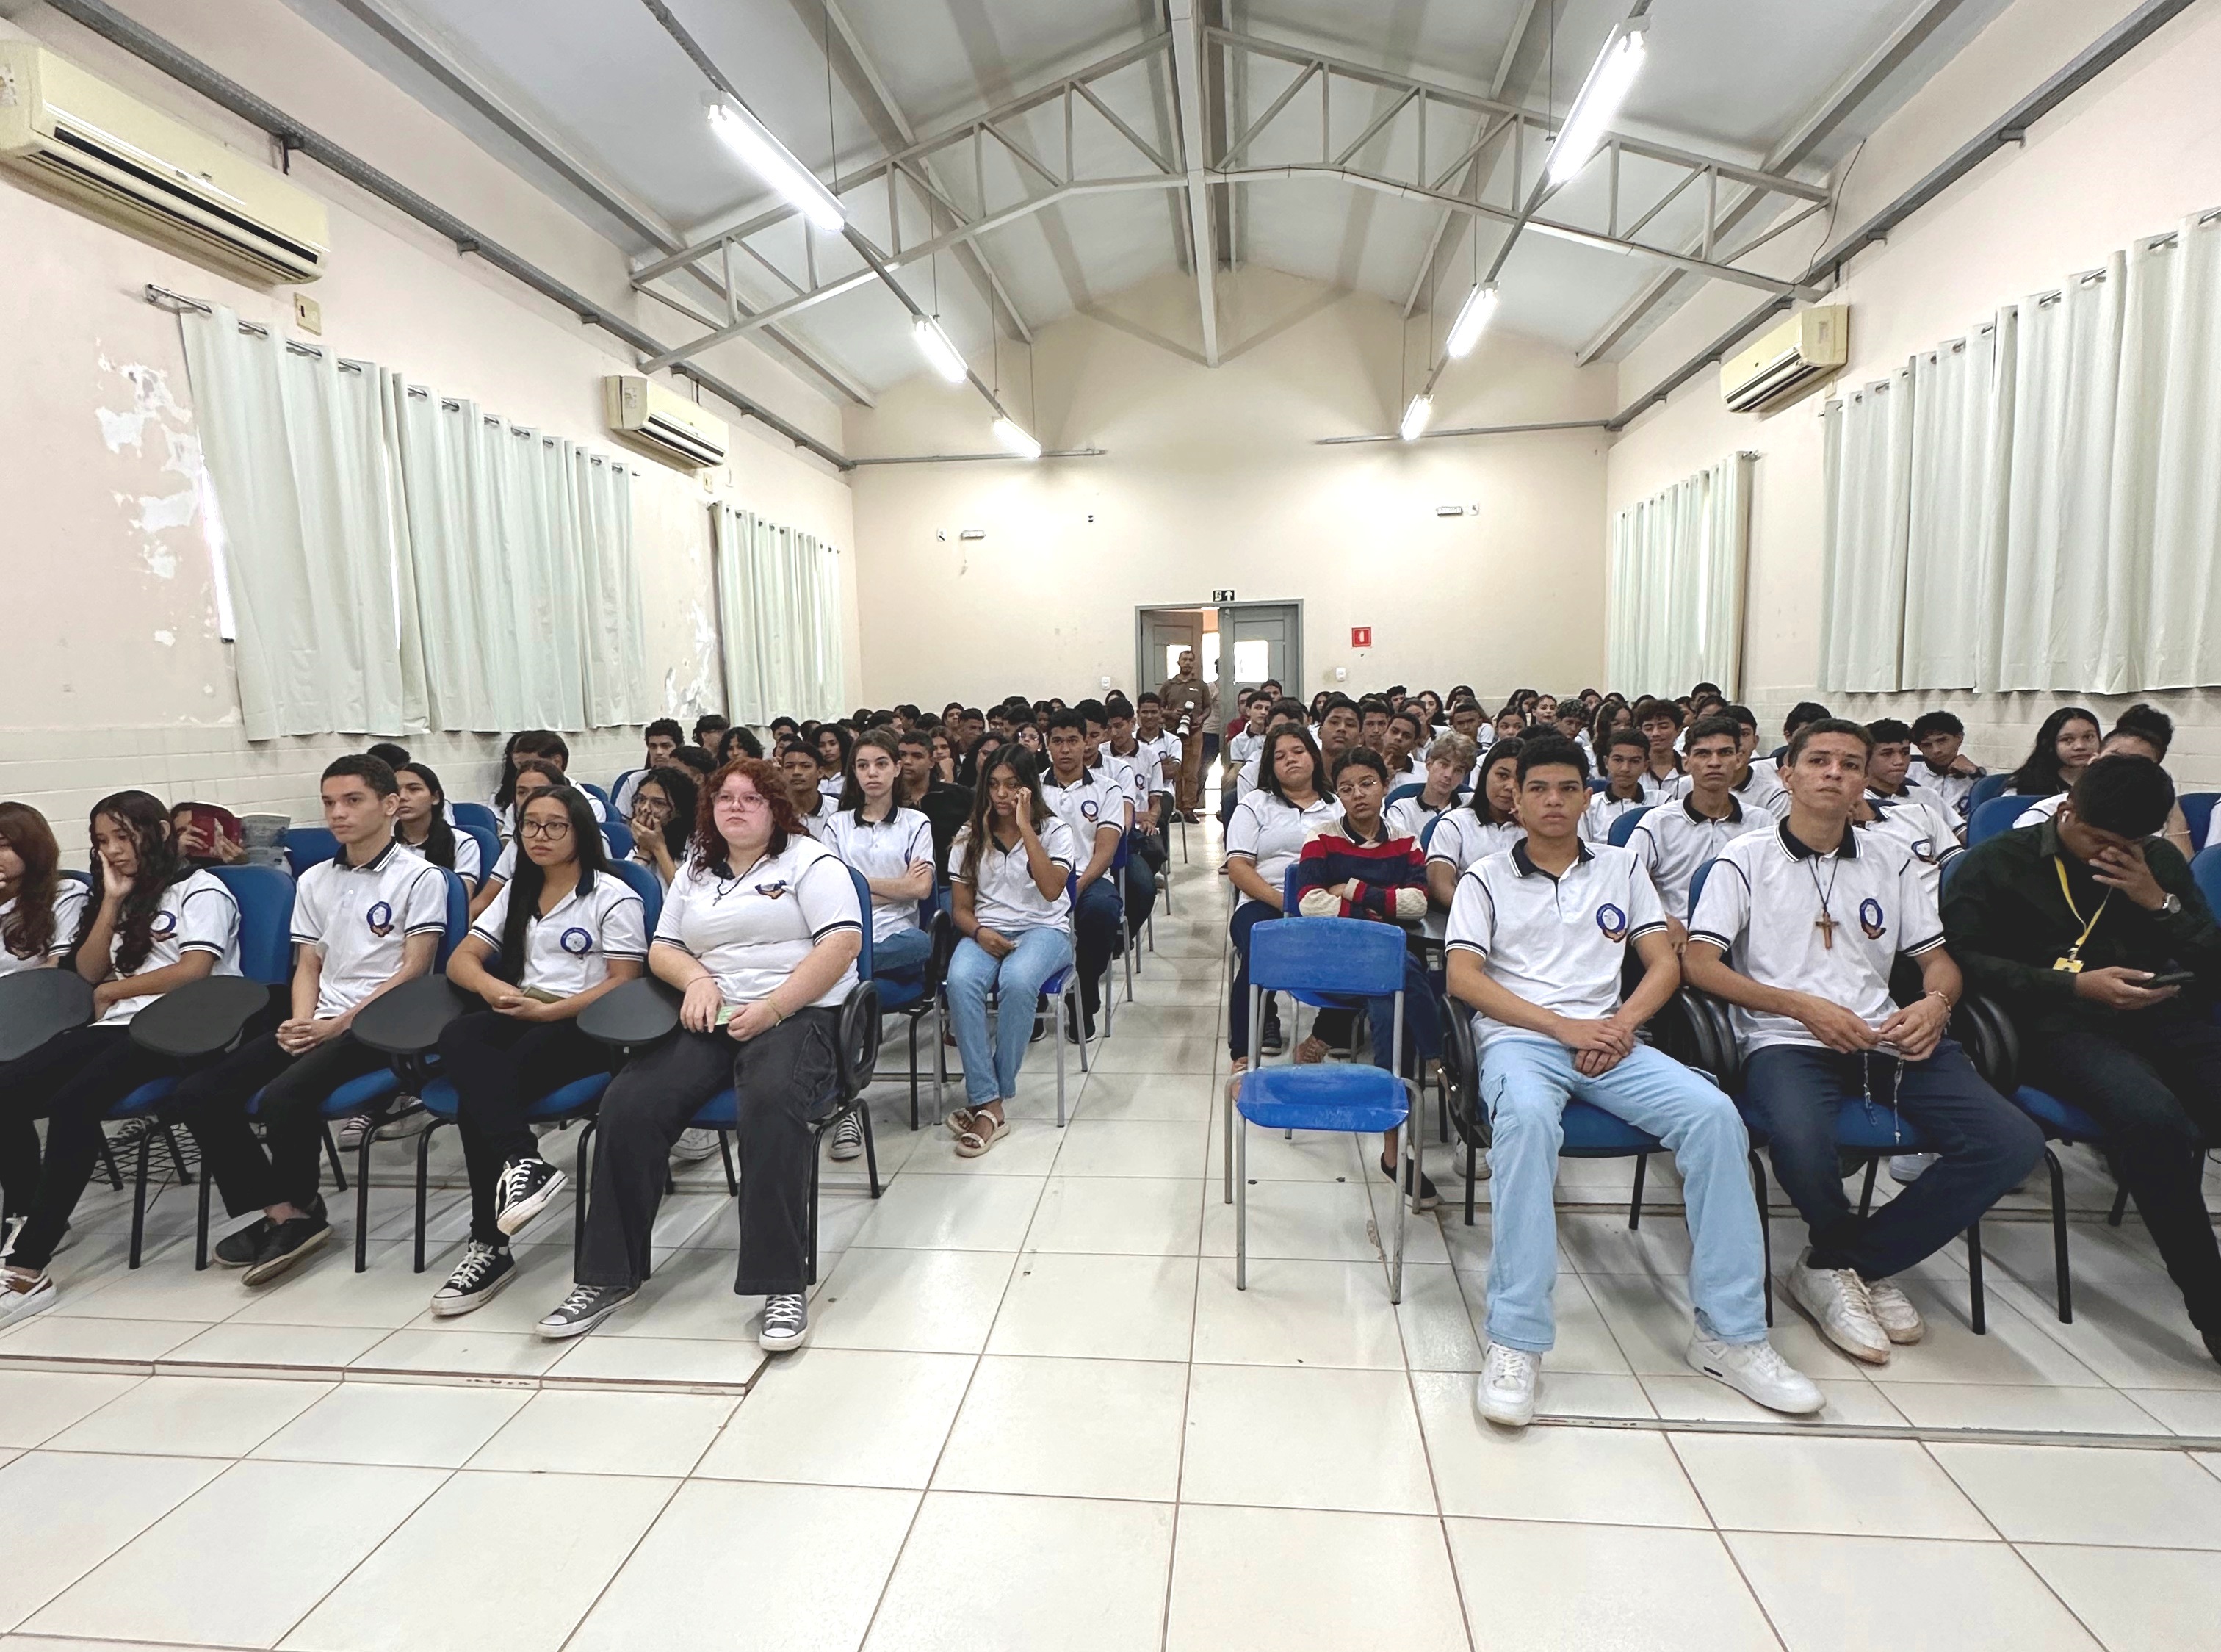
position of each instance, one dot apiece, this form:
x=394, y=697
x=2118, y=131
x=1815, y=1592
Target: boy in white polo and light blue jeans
x=1537, y=939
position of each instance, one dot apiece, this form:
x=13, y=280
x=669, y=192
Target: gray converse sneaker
x=847, y=1137
x=584, y=1308
x=785, y=1324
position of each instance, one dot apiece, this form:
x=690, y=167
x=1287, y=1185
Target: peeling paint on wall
x=150, y=400
x=168, y=639
x=154, y=515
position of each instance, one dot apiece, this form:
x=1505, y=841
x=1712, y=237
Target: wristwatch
x=2171, y=907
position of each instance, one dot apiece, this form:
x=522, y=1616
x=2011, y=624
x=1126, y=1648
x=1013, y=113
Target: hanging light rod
x=1472, y=319
x=1014, y=438
x=1416, y=415
x=773, y=162
x=1599, y=103
x=1461, y=431
x=939, y=350
x=975, y=458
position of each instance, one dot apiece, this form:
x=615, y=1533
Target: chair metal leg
x=139, y=1194
x=732, y=1176
x=914, y=1020
x=108, y=1159
x=1765, y=1229
x=1974, y=1279
x=2059, y=1235
x=584, y=1183
x=1065, y=1008
x=1407, y=1195
x=424, y=1187
x=1472, y=1171
x=177, y=1158
x=1240, y=1171
x=1634, y=1204
x=2120, y=1209
x=332, y=1152
x=809, y=1216
x=201, y=1228
x=1865, y=1194
x=362, y=1204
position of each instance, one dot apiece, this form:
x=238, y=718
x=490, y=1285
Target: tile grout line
x=1727, y=1549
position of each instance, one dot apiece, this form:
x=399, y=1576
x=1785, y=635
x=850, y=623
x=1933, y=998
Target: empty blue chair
x=1995, y=817
x=2206, y=867
x=1985, y=788
x=1624, y=828
x=308, y=846
x=477, y=814
x=2197, y=813
x=489, y=842
x=1347, y=957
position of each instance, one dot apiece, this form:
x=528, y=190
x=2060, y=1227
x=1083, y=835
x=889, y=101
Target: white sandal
x=959, y=1120
x=971, y=1144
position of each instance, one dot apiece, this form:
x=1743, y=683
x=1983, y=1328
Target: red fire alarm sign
x=1361, y=637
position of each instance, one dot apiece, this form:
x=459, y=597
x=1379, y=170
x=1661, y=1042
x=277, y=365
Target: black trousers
x=285, y=1167
x=2155, y=1083
x=499, y=1067
x=72, y=1081
x=1147, y=858
x=783, y=1079
x=1095, y=919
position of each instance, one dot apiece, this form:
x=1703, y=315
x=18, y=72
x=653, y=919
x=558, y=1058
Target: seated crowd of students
x=1566, y=920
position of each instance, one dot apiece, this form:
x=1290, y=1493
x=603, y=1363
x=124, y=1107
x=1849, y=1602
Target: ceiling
x=598, y=104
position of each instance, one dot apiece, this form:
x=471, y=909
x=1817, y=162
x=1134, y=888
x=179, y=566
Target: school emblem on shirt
x=1923, y=851
x=772, y=892
x=1870, y=918
x=1087, y=807
x=163, y=926
x=380, y=919
x=1613, y=921
x=578, y=942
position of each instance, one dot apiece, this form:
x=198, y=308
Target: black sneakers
x=1429, y=1197
x=242, y=1250
x=1270, y=1039
x=584, y=1308
x=526, y=1185
x=477, y=1278
x=289, y=1241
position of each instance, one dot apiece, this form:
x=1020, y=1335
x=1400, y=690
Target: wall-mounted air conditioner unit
x=1787, y=359
x=82, y=138
x=645, y=412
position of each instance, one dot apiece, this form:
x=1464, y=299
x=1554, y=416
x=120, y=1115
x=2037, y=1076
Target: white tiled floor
x=1037, y=1412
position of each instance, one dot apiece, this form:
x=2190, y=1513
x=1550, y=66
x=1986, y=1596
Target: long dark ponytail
x=439, y=845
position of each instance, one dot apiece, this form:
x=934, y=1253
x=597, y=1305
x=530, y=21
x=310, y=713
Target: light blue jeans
x=1525, y=1083
x=991, y=1071
x=902, y=950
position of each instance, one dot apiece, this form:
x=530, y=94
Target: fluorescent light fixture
x=1576, y=237
x=1473, y=319
x=771, y=161
x=939, y=349
x=1416, y=417
x=1599, y=101
x=1016, y=441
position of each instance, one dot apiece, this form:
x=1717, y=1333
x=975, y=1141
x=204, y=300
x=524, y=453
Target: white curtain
x=2176, y=440
x=616, y=654
x=1866, y=486
x=298, y=449
x=780, y=613
x=1678, y=563
x=1961, y=426
x=2065, y=617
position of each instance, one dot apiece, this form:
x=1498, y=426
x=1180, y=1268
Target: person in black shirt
x=2067, y=924
x=947, y=807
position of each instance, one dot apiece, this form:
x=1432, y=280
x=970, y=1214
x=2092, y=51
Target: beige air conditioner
x=1808, y=346
x=645, y=411
x=82, y=138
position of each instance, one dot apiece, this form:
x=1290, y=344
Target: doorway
x=1160, y=635
x=1237, y=644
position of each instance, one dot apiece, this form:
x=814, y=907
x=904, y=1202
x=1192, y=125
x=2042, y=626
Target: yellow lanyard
x=2073, y=960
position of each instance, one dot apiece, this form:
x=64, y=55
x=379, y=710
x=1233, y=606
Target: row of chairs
x=308, y=846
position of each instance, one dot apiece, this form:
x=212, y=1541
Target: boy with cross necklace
x=1800, y=930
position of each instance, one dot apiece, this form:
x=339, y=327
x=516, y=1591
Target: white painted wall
x=1214, y=479
x=2129, y=156
x=115, y=674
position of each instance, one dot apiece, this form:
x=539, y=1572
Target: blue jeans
x=904, y=950
x=1525, y=1083
x=1794, y=1091
x=991, y=1071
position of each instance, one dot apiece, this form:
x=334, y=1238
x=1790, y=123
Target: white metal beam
x=1484, y=156
x=1187, y=82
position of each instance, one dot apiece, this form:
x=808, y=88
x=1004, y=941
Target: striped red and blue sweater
x=1390, y=874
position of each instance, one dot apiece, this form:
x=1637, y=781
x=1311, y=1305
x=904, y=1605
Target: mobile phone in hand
x=2160, y=983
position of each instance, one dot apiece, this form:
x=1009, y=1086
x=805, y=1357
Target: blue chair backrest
x=1697, y=883
x=76, y=877
x=1995, y=817
x=864, y=901
x=489, y=842
x=646, y=885
x=1624, y=828
x=459, y=919
x=1409, y=789
x=618, y=837
x=266, y=921
x=308, y=846
x=618, y=785
x=477, y=814
x=1600, y=782
x=1345, y=955
x=594, y=790
x=2206, y=867
x=1990, y=785
x=2198, y=812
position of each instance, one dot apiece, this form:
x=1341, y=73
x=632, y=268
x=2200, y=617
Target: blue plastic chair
x=308, y=846
x=2197, y=813
x=1409, y=789
x=477, y=815
x=646, y=886
x=1986, y=787
x=618, y=787
x=618, y=837
x=489, y=842
x=2205, y=867
x=1996, y=816
x=1624, y=828
x=1600, y=782
x=600, y=796
x=1347, y=957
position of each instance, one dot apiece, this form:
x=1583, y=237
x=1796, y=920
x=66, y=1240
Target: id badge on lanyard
x=2070, y=962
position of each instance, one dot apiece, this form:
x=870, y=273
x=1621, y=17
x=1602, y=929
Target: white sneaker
x=407, y=1119
x=1506, y=1390
x=1904, y=1168
x=23, y=1293
x=1757, y=1373
x=1893, y=1310
x=694, y=1146
x=1835, y=1300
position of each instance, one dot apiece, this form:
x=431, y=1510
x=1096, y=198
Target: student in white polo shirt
x=426, y=827
x=1265, y=835
x=1092, y=805
x=1626, y=754
x=567, y=930
x=1149, y=729
x=1890, y=787
x=2141, y=731
x=660, y=739
x=1758, y=784
x=1660, y=723
x=1537, y=946
x=38, y=907
x=1449, y=759
x=154, y=925
x=761, y=933
x=1675, y=838
x=812, y=805
x=1405, y=743
x=1147, y=852
x=892, y=846
x=1008, y=872
x=363, y=923
x=533, y=775
x=1944, y=767
x=1485, y=822
x=1279, y=714
x=1800, y=928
